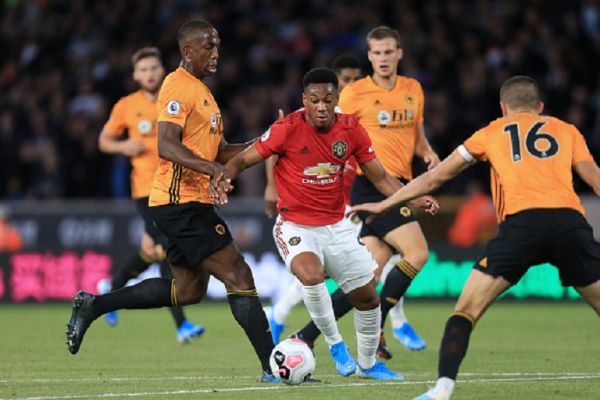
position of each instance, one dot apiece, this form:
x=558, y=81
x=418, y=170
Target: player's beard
x=153, y=89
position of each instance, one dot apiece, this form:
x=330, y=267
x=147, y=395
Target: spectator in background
x=475, y=221
x=483, y=41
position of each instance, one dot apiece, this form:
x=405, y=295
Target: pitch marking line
x=225, y=377
x=308, y=387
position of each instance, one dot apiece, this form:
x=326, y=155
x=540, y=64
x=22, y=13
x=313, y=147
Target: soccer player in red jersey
x=311, y=233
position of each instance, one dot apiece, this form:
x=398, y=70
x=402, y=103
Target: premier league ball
x=292, y=361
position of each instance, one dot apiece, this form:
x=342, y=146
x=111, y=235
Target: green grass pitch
x=518, y=351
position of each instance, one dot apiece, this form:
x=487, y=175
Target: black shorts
x=194, y=231
x=363, y=191
x=559, y=236
x=149, y=227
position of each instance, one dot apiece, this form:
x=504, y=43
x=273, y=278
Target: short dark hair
x=345, y=61
x=144, y=52
x=384, y=32
x=320, y=75
x=191, y=28
x=520, y=91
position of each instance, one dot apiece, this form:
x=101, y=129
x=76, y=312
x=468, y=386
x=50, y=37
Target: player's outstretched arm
x=243, y=160
x=590, y=173
x=388, y=185
x=229, y=150
x=423, y=184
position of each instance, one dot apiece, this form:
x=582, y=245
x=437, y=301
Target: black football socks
x=248, y=312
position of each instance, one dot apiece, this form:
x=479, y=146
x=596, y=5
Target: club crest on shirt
x=294, y=240
x=144, y=126
x=410, y=99
x=339, y=149
x=405, y=212
x=265, y=136
x=173, y=107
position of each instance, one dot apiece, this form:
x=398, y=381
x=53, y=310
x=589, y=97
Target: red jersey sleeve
x=272, y=141
x=363, y=150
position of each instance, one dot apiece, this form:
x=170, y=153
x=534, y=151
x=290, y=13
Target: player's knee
x=239, y=277
x=471, y=311
x=367, y=303
x=417, y=257
x=311, y=280
x=187, y=296
x=187, y=292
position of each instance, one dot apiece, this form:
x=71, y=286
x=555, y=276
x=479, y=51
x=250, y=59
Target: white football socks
x=443, y=388
x=291, y=297
x=367, y=324
x=396, y=314
x=318, y=304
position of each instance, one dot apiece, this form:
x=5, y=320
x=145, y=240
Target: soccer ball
x=292, y=361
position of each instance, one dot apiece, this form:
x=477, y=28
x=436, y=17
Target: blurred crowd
x=63, y=64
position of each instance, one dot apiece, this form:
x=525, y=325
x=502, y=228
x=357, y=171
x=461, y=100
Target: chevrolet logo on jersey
x=322, y=170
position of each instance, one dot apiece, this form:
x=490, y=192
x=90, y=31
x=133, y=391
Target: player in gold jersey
x=390, y=107
x=188, y=182
x=136, y=115
x=531, y=158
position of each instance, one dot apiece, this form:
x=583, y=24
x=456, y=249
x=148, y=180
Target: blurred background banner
x=68, y=246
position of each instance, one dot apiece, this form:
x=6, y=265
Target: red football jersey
x=309, y=170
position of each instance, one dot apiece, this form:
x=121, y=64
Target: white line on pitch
x=222, y=377
x=306, y=387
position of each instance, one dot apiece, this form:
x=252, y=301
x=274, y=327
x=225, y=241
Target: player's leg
x=308, y=269
x=401, y=328
x=135, y=265
x=150, y=293
x=591, y=294
x=185, y=329
x=228, y=265
x=278, y=313
x=154, y=244
x=302, y=253
x=577, y=255
x=350, y=264
x=479, y=292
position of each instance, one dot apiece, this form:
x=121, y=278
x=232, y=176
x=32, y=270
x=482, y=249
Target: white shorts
x=345, y=258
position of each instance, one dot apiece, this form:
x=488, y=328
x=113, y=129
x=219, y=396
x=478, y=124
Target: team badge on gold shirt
x=144, y=126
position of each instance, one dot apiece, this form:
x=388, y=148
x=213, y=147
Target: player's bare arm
x=229, y=150
x=111, y=144
x=243, y=160
x=389, y=185
x=271, y=195
x=423, y=148
x=590, y=173
x=423, y=184
x=171, y=148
